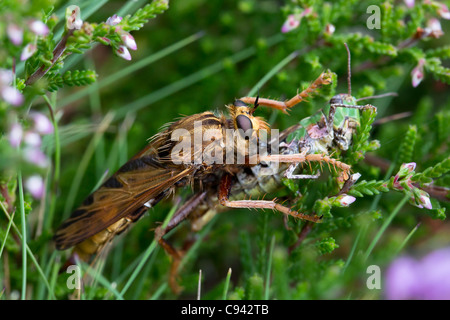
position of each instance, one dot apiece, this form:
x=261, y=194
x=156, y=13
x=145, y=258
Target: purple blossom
x=291, y=23
x=409, y=3
x=35, y=186
x=6, y=77
x=15, y=135
x=41, y=123
x=73, y=18
x=15, y=34
x=11, y=95
x=417, y=74
x=38, y=28
x=28, y=51
x=36, y=156
x=115, y=19
x=123, y=52
x=425, y=279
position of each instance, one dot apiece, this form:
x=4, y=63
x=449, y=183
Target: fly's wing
x=140, y=180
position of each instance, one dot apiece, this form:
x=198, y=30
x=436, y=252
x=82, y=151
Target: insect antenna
x=255, y=105
x=349, y=71
x=388, y=94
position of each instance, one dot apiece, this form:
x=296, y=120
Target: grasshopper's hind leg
x=224, y=190
x=323, y=79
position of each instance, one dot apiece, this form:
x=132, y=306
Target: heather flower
x=36, y=156
x=35, y=186
x=73, y=18
x=38, y=28
x=123, y=52
x=421, y=199
x=409, y=3
x=11, y=95
x=425, y=279
x=28, y=51
x=42, y=124
x=113, y=20
x=15, y=135
x=292, y=22
x=32, y=139
x=15, y=34
x=329, y=29
x=128, y=40
x=417, y=73
x=434, y=28
x=444, y=12
x=345, y=200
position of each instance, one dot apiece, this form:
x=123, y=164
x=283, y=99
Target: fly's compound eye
x=245, y=124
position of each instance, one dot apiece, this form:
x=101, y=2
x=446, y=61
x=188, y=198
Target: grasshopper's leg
x=323, y=79
x=180, y=215
x=224, y=190
x=301, y=157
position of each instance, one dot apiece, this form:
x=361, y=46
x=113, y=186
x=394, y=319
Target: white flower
x=444, y=12
x=73, y=18
x=32, y=139
x=346, y=200
x=15, y=34
x=434, y=28
x=115, y=19
x=15, y=135
x=123, y=52
x=35, y=186
x=41, y=123
x=128, y=40
x=409, y=3
x=38, y=28
x=28, y=51
x=11, y=95
x=36, y=156
x=6, y=77
x=417, y=73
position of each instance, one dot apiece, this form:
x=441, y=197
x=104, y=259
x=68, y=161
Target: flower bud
x=11, y=95
x=128, y=40
x=35, y=186
x=113, y=20
x=28, y=51
x=15, y=34
x=123, y=52
x=38, y=28
x=417, y=73
x=73, y=18
x=42, y=124
x=292, y=22
x=15, y=135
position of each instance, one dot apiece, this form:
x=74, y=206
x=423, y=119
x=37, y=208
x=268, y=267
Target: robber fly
x=152, y=174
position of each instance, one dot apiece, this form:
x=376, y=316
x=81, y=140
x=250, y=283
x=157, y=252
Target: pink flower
x=38, y=28
x=292, y=22
x=424, y=279
x=417, y=73
x=32, y=139
x=36, y=156
x=35, y=186
x=409, y=3
x=115, y=19
x=411, y=166
x=41, y=123
x=434, y=28
x=346, y=200
x=444, y=12
x=123, y=52
x=73, y=18
x=6, y=77
x=28, y=51
x=15, y=135
x=128, y=40
x=11, y=95
x=15, y=34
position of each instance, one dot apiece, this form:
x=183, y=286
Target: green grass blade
x=269, y=269
x=386, y=223
x=227, y=285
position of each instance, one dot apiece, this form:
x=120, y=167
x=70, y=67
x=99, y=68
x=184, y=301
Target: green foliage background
x=200, y=55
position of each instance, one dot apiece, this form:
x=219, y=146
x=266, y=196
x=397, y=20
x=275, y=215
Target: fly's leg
x=224, y=192
x=289, y=173
x=180, y=215
x=323, y=79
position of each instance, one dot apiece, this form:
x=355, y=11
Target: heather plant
x=80, y=93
